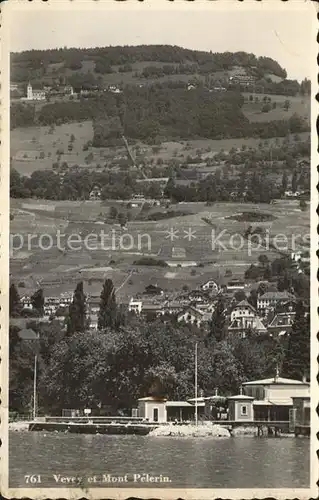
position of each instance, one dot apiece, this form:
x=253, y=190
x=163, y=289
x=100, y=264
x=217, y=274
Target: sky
x=275, y=29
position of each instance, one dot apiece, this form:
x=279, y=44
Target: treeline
x=114, y=56
x=252, y=184
x=76, y=185
x=111, y=368
x=157, y=113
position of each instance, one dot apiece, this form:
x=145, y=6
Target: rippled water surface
x=241, y=462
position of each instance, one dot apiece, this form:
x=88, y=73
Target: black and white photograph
x=159, y=290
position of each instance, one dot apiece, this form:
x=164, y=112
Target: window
x=243, y=410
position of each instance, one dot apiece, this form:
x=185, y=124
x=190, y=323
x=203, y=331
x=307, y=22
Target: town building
x=153, y=290
x=26, y=303
x=243, y=310
x=210, y=286
x=198, y=296
x=193, y=316
x=235, y=285
x=34, y=95
x=152, y=309
x=95, y=193
x=270, y=300
x=242, y=326
x=135, y=306
x=281, y=324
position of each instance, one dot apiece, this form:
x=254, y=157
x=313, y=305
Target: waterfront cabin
x=153, y=409
x=241, y=408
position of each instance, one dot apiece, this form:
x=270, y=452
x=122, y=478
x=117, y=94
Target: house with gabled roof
x=281, y=324
x=210, y=286
x=193, y=316
x=242, y=310
x=241, y=326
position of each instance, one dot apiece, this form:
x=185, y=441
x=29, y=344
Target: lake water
x=241, y=462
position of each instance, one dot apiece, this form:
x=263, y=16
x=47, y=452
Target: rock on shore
x=245, y=431
x=207, y=430
x=18, y=426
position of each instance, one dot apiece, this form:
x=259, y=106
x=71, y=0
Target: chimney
x=241, y=390
x=277, y=374
x=216, y=391
x=304, y=379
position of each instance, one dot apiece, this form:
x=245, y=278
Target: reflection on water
x=241, y=462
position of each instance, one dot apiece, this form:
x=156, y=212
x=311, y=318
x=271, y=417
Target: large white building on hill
x=34, y=95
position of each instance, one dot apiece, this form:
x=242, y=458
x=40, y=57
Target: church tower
x=29, y=91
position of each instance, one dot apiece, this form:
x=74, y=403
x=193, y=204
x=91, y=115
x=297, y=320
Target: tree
x=113, y=212
x=14, y=301
x=108, y=310
x=297, y=357
x=217, y=323
x=76, y=320
x=253, y=272
x=170, y=188
x=284, y=181
x=252, y=299
x=37, y=301
x=266, y=108
x=294, y=181
x=286, y=105
x=267, y=273
x=122, y=219
x=263, y=260
x=262, y=288
x=303, y=205
x=240, y=295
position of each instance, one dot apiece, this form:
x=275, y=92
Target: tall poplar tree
x=217, y=328
x=37, y=300
x=108, y=310
x=14, y=301
x=76, y=321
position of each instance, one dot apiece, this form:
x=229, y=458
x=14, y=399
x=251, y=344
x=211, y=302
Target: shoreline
x=170, y=430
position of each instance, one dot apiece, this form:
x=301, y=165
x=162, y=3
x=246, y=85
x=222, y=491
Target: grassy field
x=27, y=144
x=298, y=104
x=60, y=270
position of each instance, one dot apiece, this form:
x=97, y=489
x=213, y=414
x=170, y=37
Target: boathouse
x=241, y=408
x=152, y=408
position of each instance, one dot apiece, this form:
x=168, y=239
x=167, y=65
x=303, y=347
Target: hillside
x=127, y=64
x=155, y=93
